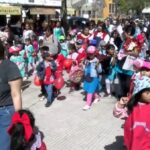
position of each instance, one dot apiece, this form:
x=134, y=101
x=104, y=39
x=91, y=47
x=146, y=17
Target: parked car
x=79, y=22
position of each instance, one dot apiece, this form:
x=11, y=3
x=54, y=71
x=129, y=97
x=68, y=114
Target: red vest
x=137, y=128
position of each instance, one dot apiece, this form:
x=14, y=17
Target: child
x=35, y=47
x=91, y=78
x=81, y=48
x=41, y=71
x=29, y=50
x=110, y=70
x=24, y=134
x=35, y=43
x=73, y=55
x=17, y=59
x=27, y=33
x=136, y=129
x=50, y=68
x=64, y=46
x=121, y=112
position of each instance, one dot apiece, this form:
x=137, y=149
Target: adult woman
x=10, y=96
x=50, y=41
x=130, y=50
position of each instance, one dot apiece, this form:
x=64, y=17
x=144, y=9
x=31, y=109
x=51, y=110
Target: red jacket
x=49, y=78
x=137, y=128
x=84, y=38
x=82, y=54
x=60, y=61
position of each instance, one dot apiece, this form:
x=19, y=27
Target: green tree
x=123, y=6
x=64, y=14
x=135, y=5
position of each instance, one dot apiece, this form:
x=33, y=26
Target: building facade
x=95, y=9
x=109, y=9
x=21, y=9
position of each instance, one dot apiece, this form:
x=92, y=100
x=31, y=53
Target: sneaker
x=48, y=104
x=96, y=100
x=107, y=95
x=86, y=107
x=42, y=98
x=25, y=78
x=71, y=90
x=40, y=95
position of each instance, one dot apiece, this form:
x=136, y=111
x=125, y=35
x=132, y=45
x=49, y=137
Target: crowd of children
x=111, y=53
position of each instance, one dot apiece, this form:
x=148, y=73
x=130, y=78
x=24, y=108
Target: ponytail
x=21, y=130
x=18, y=141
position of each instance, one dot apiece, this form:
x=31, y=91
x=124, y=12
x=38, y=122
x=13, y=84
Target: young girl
x=35, y=47
x=24, y=134
x=29, y=50
x=110, y=71
x=35, y=43
x=64, y=46
x=136, y=128
x=91, y=78
x=73, y=55
x=17, y=59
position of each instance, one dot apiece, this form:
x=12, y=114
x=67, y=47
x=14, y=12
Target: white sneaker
x=86, y=107
x=42, y=98
x=109, y=96
x=25, y=78
x=96, y=100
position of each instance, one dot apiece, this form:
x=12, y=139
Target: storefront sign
x=42, y=11
x=51, y=3
x=10, y=10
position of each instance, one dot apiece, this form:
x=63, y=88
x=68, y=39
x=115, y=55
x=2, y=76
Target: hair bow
x=25, y=121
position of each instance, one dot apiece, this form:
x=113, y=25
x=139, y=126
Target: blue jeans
x=6, y=113
x=49, y=91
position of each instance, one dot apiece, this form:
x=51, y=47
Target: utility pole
x=64, y=14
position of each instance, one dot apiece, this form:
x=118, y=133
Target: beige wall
x=106, y=8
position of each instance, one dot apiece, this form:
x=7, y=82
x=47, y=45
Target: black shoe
x=48, y=104
x=40, y=95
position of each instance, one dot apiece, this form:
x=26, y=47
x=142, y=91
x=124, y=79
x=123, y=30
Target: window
x=112, y=8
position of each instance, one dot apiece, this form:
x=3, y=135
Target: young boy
x=49, y=71
x=41, y=70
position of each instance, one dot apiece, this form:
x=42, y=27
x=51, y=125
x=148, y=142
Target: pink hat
x=91, y=49
x=14, y=49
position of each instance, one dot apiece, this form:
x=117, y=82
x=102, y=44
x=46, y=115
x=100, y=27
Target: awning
x=42, y=11
x=10, y=10
x=146, y=10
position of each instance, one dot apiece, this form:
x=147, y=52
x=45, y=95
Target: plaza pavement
x=67, y=127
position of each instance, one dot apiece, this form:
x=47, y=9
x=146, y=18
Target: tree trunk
x=64, y=15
